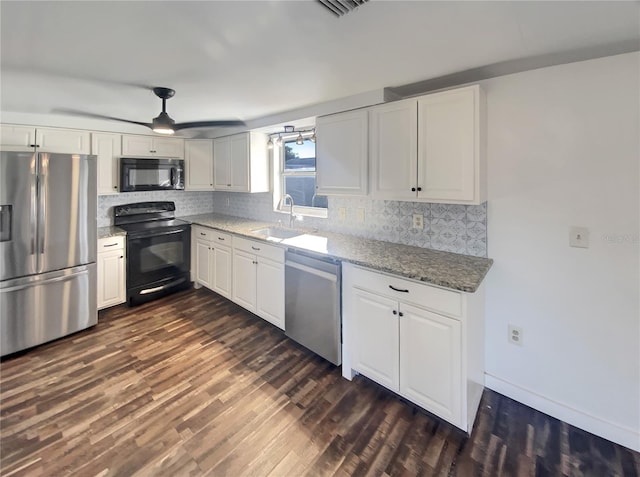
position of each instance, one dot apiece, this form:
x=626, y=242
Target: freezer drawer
x=41, y=308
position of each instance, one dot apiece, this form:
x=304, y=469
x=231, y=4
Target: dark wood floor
x=193, y=385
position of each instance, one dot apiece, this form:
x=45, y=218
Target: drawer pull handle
x=202, y=233
x=255, y=248
x=220, y=238
x=110, y=244
x=398, y=289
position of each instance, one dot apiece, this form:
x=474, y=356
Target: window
x=298, y=178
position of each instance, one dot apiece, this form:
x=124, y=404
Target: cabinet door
x=203, y=263
x=448, y=145
x=239, y=146
x=221, y=273
x=270, y=291
x=198, y=155
x=137, y=145
x=393, y=148
x=341, y=154
x=168, y=147
x=430, y=362
x=108, y=149
x=222, y=163
x=111, y=278
x=17, y=138
x=244, y=280
x=375, y=335
x=65, y=141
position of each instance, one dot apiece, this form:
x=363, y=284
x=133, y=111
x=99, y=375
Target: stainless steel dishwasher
x=312, y=303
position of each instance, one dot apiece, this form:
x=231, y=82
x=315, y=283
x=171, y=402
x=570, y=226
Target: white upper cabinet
x=152, y=146
x=198, y=156
x=341, y=153
x=393, y=150
x=55, y=140
x=241, y=163
x=430, y=149
x=451, y=149
x=107, y=148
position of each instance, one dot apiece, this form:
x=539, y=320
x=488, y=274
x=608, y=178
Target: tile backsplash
x=187, y=203
x=447, y=227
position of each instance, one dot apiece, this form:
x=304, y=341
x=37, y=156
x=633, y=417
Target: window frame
x=279, y=180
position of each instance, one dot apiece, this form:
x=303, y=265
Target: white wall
x=563, y=149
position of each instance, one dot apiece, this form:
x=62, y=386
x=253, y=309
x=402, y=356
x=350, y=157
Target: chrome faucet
x=283, y=202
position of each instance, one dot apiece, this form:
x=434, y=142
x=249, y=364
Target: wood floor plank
x=193, y=385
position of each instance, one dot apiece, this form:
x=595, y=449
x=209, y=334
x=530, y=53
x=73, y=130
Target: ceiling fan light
x=163, y=124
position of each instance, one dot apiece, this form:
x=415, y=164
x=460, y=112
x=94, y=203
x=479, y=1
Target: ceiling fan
x=162, y=124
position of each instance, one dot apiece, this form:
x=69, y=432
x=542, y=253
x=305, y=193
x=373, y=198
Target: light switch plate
x=579, y=237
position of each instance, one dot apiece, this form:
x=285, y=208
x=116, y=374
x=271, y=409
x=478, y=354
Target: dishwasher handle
x=313, y=271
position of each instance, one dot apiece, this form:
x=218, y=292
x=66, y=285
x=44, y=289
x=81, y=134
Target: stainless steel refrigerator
x=47, y=247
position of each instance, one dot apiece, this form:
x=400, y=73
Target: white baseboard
x=625, y=436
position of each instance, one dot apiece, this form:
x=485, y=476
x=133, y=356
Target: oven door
x=151, y=174
x=157, y=263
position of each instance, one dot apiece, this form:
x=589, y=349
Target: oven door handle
x=162, y=287
x=157, y=234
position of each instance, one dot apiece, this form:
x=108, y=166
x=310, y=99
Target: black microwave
x=151, y=174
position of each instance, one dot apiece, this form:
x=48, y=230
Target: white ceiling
x=251, y=59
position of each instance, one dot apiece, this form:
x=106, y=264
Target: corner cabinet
x=258, y=279
x=152, y=146
x=431, y=148
x=111, y=266
x=198, y=158
x=341, y=154
x=107, y=148
x=423, y=342
x=241, y=163
x=28, y=138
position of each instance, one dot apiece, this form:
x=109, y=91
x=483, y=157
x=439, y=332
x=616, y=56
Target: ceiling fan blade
x=209, y=124
x=74, y=112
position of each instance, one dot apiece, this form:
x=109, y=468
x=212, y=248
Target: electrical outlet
x=579, y=237
x=515, y=335
x=418, y=221
x=342, y=214
x=360, y=215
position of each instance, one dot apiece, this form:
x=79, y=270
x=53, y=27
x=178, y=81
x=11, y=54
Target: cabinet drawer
x=111, y=243
x=211, y=235
x=408, y=291
x=260, y=249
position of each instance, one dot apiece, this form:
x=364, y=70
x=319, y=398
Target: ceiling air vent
x=340, y=7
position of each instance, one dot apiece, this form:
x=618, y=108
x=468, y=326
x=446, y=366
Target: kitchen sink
x=276, y=234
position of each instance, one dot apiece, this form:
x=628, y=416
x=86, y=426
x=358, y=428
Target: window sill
x=306, y=212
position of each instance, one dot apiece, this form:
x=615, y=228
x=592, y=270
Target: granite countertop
x=445, y=269
x=110, y=231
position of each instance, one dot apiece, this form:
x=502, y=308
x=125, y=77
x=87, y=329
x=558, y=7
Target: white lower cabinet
x=248, y=272
x=422, y=342
x=258, y=279
x=111, y=265
x=212, y=259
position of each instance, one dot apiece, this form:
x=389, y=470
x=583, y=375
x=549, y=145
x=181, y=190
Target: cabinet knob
x=121, y=256
x=255, y=262
x=115, y=187
x=413, y=189
x=419, y=189
x=395, y=312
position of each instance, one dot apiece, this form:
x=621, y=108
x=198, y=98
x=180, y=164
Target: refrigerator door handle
x=33, y=283
x=6, y=212
x=42, y=199
x=33, y=207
